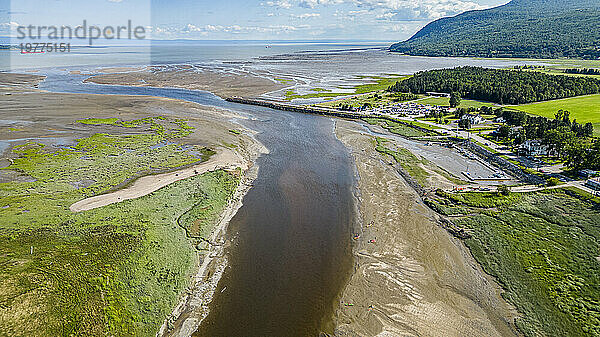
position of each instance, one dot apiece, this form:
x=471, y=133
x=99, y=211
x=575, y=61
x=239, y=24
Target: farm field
x=585, y=109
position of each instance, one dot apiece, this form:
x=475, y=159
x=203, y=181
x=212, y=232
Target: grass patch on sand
x=284, y=80
x=98, y=121
x=378, y=83
x=420, y=169
x=408, y=161
x=400, y=128
x=543, y=248
x=374, y=83
x=584, y=108
x=117, y=270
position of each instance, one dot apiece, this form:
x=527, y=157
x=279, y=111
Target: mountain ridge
x=520, y=28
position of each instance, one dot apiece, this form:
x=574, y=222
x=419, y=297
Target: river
x=292, y=251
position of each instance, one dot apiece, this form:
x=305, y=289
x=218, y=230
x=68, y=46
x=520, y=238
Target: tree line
x=583, y=71
x=498, y=85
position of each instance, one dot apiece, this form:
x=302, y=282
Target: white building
x=593, y=184
x=473, y=119
x=438, y=94
x=534, y=147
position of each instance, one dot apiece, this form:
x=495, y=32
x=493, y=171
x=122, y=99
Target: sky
x=379, y=20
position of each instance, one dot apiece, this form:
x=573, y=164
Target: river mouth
x=292, y=252
x=291, y=240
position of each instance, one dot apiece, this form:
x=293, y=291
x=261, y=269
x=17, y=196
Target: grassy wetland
x=543, y=248
x=116, y=270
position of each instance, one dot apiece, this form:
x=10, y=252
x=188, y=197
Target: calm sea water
x=166, y=52
x=326, y=60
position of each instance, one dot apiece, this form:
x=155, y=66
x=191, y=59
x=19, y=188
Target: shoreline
x=193, y=305
x=182, y=76
x=411, y=277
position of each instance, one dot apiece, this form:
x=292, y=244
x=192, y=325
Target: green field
x=117, y=270
x=585, y=109
x=557, y=66
x=443, y=101
x=542, y=248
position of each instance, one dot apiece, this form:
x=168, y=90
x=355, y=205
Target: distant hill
x=521, y=28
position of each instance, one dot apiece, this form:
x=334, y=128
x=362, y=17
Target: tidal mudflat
x=411, y=277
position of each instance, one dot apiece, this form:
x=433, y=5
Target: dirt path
x=411, y=277
x=224, y=159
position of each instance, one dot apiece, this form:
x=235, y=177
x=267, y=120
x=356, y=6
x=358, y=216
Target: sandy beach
x=19, y=80
x=411, y=277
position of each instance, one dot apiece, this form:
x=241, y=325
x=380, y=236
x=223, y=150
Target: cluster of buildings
x=534, y=148
x=408, y=109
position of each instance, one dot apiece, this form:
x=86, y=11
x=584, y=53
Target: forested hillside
x=521, y=28
x=498, y=85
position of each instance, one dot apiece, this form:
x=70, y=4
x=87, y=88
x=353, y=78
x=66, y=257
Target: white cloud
x=315, y=3
x=280, y=4
x=386, y=17
x=418, y=10
x=397, y=28
x=305, y=15
x=9, y=26
x=237, y=29
x=396, y=10
x=115, y=0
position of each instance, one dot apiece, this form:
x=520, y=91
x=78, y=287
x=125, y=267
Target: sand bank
x=224, y=159
x=411, y=277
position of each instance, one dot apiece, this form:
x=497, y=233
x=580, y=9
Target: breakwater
x=278, y=105
x=297, y=108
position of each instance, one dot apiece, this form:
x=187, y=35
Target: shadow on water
x=292, y=252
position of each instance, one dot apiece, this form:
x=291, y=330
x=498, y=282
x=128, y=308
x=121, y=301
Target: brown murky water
x=292, y=249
